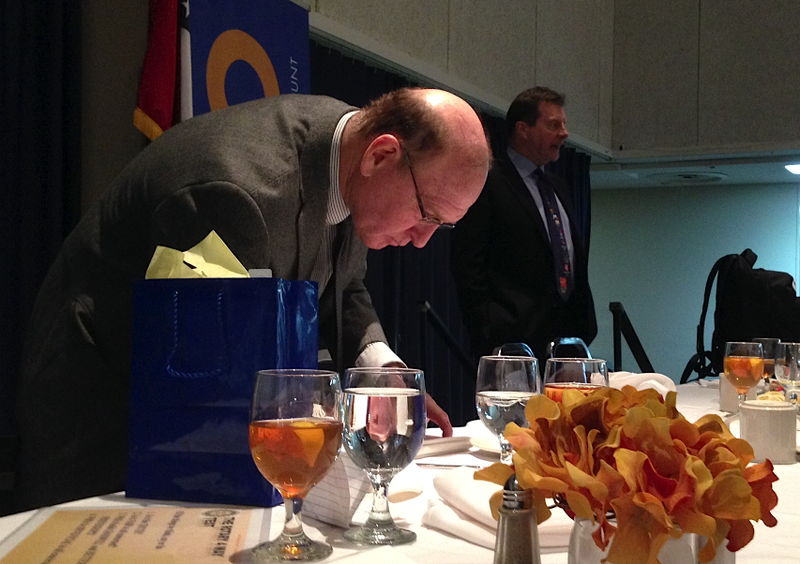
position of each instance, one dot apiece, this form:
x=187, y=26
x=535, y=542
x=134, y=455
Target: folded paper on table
x=343, y=496
x=463, y=511
x=335, y=499
x=197, y=344
x=659, y=382
x=134, y=535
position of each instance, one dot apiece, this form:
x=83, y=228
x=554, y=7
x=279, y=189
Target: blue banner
x=243, y=50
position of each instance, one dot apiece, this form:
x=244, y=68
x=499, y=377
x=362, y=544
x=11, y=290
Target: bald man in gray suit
x=299, y=184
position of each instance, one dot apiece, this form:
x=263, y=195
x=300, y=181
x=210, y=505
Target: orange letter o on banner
x=236, y=45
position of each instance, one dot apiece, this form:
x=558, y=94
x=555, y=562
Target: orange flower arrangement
x=632, y=453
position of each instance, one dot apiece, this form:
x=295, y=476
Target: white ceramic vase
x=683, y=550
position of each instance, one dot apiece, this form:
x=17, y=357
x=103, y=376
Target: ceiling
x=721, y=171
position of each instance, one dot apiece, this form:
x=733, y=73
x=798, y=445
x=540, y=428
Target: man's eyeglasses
x=425, y=217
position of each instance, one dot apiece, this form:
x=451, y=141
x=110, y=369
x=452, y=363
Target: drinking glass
x=502, y=390
x=583, y=375
x=295, y=435
x=743, y=364
x=768, y=348
x=384, y=424
x=787, y=368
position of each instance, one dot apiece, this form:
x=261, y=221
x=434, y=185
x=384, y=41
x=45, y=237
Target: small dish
x=437, y=446
x=486, y=444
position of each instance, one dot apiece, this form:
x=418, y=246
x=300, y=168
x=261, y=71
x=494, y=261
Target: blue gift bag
x=197, y=344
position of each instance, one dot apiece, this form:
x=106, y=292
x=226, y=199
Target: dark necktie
x=558, y=240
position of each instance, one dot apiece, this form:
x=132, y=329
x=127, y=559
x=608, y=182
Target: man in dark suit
x=518, y=260
x=302, y=185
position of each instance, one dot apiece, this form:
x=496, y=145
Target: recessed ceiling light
x=793, y=168
x=687, y=178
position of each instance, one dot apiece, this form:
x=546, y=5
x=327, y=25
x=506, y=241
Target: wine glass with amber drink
x=743, y=364
x=574, y=375
x=295, y=435
x=769, y=347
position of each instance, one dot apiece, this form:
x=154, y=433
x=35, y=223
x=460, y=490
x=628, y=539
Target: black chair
x=572, y=344
x=9, y=445
x=513, y=349
x=624, y=328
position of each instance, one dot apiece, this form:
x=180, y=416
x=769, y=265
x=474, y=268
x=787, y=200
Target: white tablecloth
x=770, y=546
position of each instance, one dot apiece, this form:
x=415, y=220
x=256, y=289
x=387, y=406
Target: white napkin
x=441, y=516
x=659, y=382
x=460, y=490
x=463, y=511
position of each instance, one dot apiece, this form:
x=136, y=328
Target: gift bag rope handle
x=225, y=364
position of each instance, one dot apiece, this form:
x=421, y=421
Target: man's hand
x=437, y=415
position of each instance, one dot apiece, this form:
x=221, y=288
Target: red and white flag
x=165, y=93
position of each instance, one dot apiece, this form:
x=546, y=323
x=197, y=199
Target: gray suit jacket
x=257, y=174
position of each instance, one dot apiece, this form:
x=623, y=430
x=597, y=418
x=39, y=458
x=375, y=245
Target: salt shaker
x=517, y=531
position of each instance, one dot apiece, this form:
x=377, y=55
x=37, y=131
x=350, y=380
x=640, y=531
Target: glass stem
x=293, y=526
x=380, y=503
x=506, y=450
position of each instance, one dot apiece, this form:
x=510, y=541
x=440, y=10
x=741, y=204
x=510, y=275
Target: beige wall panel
x=112, y=56
x=418, y=28
x=606, y=78
x=492, y=45
x=568, y=55
x=655, y=74
x=749, y=72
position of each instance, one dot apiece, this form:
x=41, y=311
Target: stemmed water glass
x=295, y=435
x=787, y=369
x=384, y=425
x=582, y=375
x=743, y=364
x=502, y=390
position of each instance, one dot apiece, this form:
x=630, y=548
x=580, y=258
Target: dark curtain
x=40, y=105
x=400, y=279
x=344, y=78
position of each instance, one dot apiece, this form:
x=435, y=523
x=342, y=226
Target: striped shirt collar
x=337, y=210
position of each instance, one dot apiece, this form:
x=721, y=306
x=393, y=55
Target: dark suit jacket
x=257, y=174
x=503, y=269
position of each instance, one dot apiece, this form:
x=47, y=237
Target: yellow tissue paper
x=210, y=258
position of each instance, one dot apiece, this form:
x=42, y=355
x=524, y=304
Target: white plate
x=485, y=444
